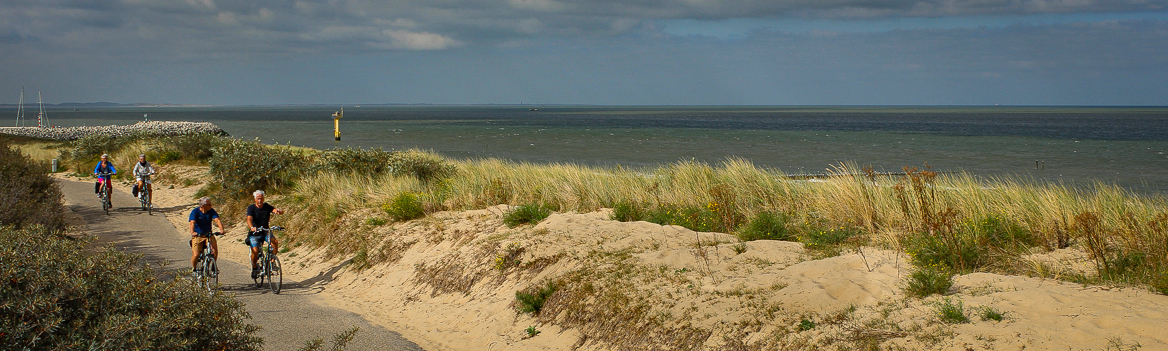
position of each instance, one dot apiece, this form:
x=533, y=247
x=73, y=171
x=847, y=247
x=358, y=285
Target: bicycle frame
x=207, y=270
x=106, y=191
x=268, y=263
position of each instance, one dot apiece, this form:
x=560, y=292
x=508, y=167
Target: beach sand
x=440, y=288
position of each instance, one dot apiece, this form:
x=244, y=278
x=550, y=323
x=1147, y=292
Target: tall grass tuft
x=768, y=226
x=529, y=213
x=533, y=299
x=404, y=207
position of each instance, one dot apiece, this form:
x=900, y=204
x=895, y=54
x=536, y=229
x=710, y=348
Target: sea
x=1076, y=146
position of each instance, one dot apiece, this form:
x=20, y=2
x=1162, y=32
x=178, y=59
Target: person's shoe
x=255, y=273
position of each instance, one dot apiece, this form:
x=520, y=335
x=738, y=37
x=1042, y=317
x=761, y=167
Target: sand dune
x=443, y=291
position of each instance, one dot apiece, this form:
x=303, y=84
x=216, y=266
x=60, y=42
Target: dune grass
x=958, y=221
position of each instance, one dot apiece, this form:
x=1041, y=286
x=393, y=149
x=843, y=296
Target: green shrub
x=192, y=147
x=532, y=300
x=927, y=281
x=990, y=314
x=57, y=295
x=691, y=217
x=354, y=161
x=165, y=157
x=90, y=147
x=27, y=195
x=996, y=231
x=626, y=211
x=767, y=226
x=950, y=312
x=241, y=167
x=404, y=207
x=340, y=341
x=830, y=241
x=529, y=213
x=422, y=166
x=959, y=252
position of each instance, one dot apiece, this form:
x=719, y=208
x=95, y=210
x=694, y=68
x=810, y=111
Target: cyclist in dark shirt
x=259, y=215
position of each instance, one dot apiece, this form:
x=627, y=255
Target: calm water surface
x=1079, y=145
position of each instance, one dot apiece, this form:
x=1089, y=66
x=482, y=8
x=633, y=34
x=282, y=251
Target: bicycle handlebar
x=260, y=229
x=209, y=234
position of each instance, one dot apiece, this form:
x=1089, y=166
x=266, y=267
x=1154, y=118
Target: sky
x=597, y=52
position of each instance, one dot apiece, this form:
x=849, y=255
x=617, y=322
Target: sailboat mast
x=20, y=108
x=42, y=119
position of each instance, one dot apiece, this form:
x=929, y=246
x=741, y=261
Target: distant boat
x=533, y=109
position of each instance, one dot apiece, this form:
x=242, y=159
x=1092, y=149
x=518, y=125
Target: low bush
x=951, y=312
x=58, y=296
x=91, y=147
x=990, y=314
x=404, y=207
x=532, y=300
x=958, y=252
x=692, y=217
x=192, y=147
x=27, y=195
x=426, y=167
x=925, y=281
x=627, y=211
x=529, y=213
x=767, y=226
x=242, y=166
x=354, y=161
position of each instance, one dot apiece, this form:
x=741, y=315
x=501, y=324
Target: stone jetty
x=160, y=128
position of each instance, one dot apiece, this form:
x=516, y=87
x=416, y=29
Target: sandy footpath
x=757, y=296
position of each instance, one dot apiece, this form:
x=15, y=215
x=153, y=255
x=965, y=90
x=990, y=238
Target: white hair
x=203, y=201
x=258, y=193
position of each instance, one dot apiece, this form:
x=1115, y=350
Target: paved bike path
x=289, y=319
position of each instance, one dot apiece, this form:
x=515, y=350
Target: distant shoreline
x=159, y=128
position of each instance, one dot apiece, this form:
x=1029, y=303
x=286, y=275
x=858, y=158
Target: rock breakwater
x=158, y=128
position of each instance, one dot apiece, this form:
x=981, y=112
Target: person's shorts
x=140, y=179
x=198, y=242
x=255, y=240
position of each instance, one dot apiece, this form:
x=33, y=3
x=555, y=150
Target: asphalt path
x=289, y=319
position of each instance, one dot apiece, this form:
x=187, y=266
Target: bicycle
x=104, y=194
x=206, y=269
x=269, y=264
x=144, y=195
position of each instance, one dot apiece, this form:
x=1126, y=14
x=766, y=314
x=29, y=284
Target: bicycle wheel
x=146, y=201
x=259, y=278
x=209, y=271
x=197, y=276
x=275, y=274
x=105, y=200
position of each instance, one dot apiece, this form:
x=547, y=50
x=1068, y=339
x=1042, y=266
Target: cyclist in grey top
x=142, y=172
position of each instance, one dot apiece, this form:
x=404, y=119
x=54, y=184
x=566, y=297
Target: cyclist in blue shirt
x=104, y=180
x=201, y=219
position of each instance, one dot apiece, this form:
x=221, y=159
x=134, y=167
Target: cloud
x=400, y=39
x=276, y=26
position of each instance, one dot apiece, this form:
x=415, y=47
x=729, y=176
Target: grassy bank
x=351, y=203
x=957, y=221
